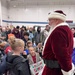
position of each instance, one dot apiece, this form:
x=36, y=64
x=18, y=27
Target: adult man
x=58, y=46
x=45, y=32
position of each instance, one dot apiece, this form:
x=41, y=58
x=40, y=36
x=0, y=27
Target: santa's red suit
x=58, y=47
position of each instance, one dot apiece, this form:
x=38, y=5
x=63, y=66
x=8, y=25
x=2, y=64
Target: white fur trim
x=57, y=16
x=74, y=42
x=71, y=72
x=51, y=30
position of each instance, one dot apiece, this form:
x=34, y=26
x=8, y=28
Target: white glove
x=71, y=72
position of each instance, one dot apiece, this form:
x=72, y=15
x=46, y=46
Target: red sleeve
x=8, y=49
x=62, y=48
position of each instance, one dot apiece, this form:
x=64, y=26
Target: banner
x=37, y=67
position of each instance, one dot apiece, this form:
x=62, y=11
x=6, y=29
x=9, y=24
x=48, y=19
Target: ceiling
x=14, y=3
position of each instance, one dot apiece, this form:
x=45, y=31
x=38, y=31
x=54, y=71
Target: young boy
x=33, y=57
x=16, y=64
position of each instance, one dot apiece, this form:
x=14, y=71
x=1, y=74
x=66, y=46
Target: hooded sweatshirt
x=17, y=65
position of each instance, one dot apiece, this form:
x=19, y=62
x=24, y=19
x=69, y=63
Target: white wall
x=39, y=13
x=4, y=12
x=0, y=13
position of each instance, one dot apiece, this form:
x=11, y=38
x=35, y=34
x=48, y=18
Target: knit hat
x=58, y=14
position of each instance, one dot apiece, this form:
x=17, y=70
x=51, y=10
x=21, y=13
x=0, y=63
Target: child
x=29, y=44
x=33, y=57
x=16, y=64
x=39, y=49
x=25, y=37
x=5, y=47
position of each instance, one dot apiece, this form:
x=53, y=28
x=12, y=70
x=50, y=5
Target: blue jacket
x=73, y=56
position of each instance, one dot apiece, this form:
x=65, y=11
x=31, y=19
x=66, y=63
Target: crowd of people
x=14, y=41
x=21, y=47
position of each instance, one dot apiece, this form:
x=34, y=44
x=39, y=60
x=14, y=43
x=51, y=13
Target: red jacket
x=8, y=49
x=59, y=47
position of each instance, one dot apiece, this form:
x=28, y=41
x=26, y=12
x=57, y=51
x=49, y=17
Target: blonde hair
x=29, y=42
x=14, y=42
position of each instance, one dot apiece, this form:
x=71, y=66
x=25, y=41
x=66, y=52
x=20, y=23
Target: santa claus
x=58, y=46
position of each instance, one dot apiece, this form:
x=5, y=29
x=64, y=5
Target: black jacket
x=17, y=65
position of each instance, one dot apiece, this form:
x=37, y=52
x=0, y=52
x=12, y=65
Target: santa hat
x=58, y=14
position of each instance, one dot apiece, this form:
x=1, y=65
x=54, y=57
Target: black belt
x=51, y=63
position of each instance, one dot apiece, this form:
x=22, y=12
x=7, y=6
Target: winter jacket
x=17, y=65
x=3, y=65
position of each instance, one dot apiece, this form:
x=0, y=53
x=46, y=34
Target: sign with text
x=37, y=67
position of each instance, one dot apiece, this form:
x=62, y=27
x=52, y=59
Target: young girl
x=33, y=57
x=16, y=64
x=39, y=49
